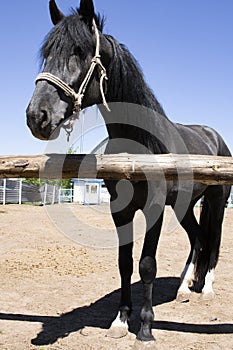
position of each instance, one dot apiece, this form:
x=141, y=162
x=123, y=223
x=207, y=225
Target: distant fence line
x=16, y=191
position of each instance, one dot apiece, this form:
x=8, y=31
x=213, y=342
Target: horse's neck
x=126, y=82
x=135, y=112
x=134, y=128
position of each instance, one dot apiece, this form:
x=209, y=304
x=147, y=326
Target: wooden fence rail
x=138, y=167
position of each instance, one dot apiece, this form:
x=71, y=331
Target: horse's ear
x=87, y=10
x=55, y=13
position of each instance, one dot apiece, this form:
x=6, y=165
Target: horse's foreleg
x=119, y=327
x=147, y=270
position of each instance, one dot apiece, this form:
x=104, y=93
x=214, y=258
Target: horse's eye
x=78, y=52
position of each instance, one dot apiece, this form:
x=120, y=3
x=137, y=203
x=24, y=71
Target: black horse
x=78, y=59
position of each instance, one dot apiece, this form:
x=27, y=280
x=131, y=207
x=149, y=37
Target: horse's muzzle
x=39, y=123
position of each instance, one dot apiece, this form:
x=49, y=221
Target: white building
x=87, y=191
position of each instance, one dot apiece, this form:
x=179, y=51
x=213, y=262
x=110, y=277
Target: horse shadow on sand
x=102, y=312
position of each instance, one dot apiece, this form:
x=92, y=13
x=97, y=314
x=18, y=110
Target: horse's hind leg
x=193, y=229
x=211, y=224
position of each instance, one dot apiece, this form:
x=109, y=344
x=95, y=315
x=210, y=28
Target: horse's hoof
x=147, y=345
x=207, y=296
x=117, y=332
x=183, y=297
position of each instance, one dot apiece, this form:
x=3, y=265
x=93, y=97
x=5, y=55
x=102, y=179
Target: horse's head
x=69, y=52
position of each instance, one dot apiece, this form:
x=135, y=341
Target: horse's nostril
x=44, y=118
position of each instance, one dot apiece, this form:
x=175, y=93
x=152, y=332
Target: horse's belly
x=183, y=192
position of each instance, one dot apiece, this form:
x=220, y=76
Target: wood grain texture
x=210, y=170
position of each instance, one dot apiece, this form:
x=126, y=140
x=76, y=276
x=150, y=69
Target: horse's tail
x=208, y=243
x=205, y=246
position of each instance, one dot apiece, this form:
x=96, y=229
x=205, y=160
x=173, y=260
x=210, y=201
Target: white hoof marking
x=186, y=281
x=118, y=328
x=118, y=322
x=207, y=291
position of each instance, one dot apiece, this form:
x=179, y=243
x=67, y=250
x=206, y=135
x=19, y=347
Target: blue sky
x=185, y=48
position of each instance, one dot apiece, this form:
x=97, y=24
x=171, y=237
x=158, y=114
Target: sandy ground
x=61, y=291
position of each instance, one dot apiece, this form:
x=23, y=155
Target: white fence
x=66, y=195
x=15, y=191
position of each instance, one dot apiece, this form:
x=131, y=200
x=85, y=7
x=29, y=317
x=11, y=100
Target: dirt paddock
x=59, y=294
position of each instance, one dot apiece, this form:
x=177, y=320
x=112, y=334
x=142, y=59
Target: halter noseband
x=78, y=97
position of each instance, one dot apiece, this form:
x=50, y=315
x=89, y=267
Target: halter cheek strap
x=78, y=97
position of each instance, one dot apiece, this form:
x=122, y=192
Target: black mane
x=126, y=81
x=69, y=36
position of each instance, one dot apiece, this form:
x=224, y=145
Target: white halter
x=78, y=97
